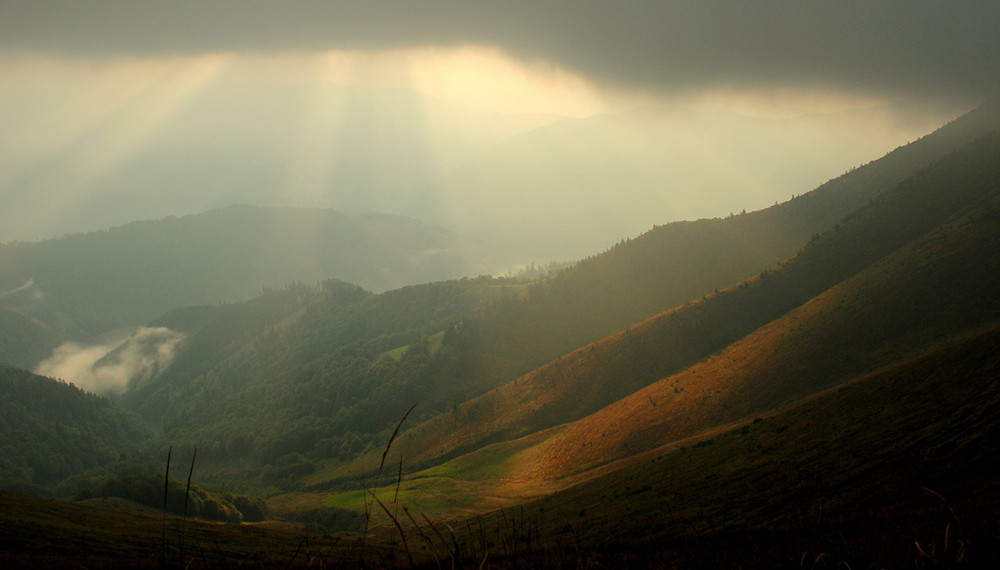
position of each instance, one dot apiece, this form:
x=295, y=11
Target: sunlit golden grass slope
x=857, y=473
x=926, y=293
x=861, y=472
x=916, y=265
x=863, y=415
x=941, y=286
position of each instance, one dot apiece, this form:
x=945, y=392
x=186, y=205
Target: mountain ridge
x=86, y=285
x=548, y=392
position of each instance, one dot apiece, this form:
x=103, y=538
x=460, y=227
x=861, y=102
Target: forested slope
x=24, y=342
x=50, y=430
x=307, y=373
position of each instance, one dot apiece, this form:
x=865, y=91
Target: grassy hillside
x=677, y=262
x=861, y=474
x=944, y=221
x=919, y=296
x=858, y=426
x=895, y=468
x=901, y=316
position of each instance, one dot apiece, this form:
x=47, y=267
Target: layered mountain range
x=764, y=383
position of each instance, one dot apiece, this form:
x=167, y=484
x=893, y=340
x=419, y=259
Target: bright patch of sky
x=462, y=135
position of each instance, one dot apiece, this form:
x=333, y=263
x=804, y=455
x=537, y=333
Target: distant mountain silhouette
x=81, y=286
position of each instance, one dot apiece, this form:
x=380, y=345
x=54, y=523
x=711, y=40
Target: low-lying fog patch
x=109, y=368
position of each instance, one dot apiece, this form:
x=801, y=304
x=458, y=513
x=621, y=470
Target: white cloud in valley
x=109, y=368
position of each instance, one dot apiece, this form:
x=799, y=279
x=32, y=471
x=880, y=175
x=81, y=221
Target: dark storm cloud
x=923, y=47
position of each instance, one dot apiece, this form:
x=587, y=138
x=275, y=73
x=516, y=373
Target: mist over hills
x=796, y=373
x=83, y=286
x=310, y=144
x=538, y=187
x=567, y=190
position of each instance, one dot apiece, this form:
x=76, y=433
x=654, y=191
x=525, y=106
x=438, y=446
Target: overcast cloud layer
x=921, y=48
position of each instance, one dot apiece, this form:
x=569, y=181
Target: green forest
x=52, y=430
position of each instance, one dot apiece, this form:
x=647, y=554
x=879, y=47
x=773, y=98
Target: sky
x=463, y=113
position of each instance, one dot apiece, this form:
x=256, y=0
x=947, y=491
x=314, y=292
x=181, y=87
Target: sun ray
x=488, y=80
x=81, y=153
x=310, y=167
x=60, y=102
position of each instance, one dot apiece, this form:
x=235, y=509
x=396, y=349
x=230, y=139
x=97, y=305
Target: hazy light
x=488, y=80
x=97, y=116
x=779, y=103
x=121, y=139
x=480, y=78
x=310, y=168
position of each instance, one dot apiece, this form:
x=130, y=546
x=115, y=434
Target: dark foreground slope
x=896, y=469
x=38, y=533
